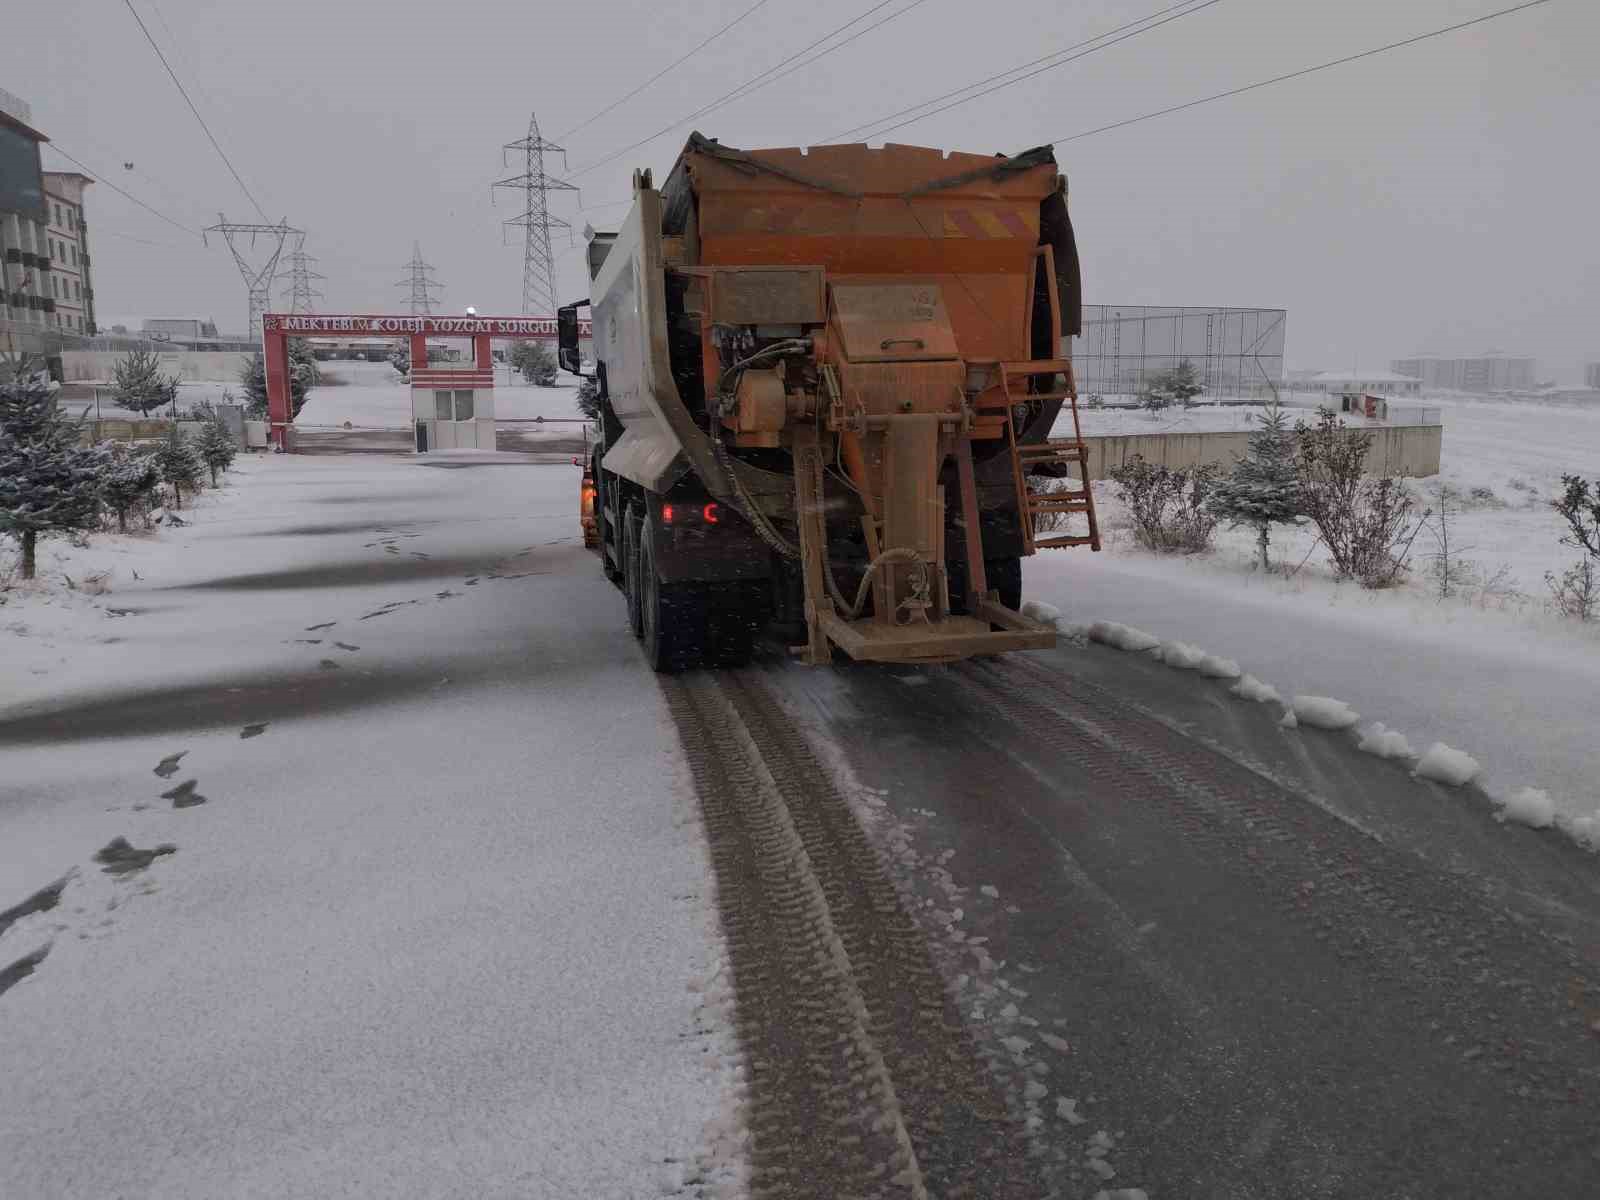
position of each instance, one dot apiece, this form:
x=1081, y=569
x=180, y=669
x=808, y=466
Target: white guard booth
x=453, y=410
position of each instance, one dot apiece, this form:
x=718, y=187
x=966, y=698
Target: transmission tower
x=421, y=282
x=257, y=280
x=301, y=291
x=538, y=263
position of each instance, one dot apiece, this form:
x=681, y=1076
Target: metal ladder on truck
x=1048, y=454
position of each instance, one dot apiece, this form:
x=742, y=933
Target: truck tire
x=630, y=570
x=610, y=535
x=673, y=615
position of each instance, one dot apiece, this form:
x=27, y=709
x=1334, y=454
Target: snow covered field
x=1491, y=671
x=366, y=394
x=373, y=396
x=442, y=925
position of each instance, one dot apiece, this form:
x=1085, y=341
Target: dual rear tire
x=681, y=625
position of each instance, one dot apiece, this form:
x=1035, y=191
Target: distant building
x=1591, y=375
x=71, y=285
x=1378, y=383
x=27, y=303
x=180, y=329
x=1485, y=373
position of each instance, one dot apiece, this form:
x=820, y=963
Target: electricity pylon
x=420, y=281
x=257, y=280
x=538, y=262
x=301, y=289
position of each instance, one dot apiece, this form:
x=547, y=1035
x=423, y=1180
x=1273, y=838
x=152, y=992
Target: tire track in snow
x=863, y=1080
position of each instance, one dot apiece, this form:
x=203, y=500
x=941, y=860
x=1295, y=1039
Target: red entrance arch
x=278, y=328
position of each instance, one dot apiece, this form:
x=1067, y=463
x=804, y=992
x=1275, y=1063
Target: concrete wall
x=189, y=366
x=152, y=430
x=1397, y=450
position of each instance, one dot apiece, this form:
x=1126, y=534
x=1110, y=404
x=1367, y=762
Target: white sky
x=1439, y=198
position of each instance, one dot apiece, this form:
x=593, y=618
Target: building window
x=59, y=221
x=464, y=406
x=441, y=406
x=77, y=292
x=74, y=251
x=55, y=288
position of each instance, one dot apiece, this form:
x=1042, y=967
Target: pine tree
x=180, y=466
x=1180, y=385
x=215, y=445
x=1264, y=488
x=130, y=483
x=48, y=481
x=253, y=378
x=537, y=364
x=303, y=376
x=1184, y=382
x=140, y=384
x=588, y=398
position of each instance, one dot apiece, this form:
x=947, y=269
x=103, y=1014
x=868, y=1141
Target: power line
x=676, y=63
x=100, y=178
x=761, y=79
x=1055, y=54
x=1349, y=58
x=128, y=237
x=214, y=144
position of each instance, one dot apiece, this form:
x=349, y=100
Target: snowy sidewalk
x=1520, y=703
x=442, y=928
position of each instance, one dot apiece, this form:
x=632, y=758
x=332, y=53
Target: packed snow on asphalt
x=436, y=917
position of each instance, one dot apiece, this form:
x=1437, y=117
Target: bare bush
x=1168, y=505
x=1576, y=591
x=1367, y=524
x=1052, y=522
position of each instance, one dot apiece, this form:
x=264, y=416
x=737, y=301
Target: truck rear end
x=826, y=382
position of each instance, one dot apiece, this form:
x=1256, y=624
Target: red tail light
x=666, y=514
x=712, y=514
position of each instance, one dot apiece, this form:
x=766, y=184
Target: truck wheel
x=674, y=615
x=610, y=537
x=630, y=570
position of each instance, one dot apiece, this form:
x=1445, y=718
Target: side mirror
x=567, y=337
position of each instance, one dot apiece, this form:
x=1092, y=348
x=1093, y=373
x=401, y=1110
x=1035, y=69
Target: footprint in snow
x=346, y=646
x=303, y=642
x=328, y=664
x=324, y=625
x=250, y=731
x=43, y=900
x=119, y=858
x=472, y=582
x=14, y=974
x=184, y=795
x=168, y=767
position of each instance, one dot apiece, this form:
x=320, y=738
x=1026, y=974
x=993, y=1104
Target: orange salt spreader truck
x=827, y=384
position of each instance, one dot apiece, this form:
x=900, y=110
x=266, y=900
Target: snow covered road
x=441, y=928
x=1215, y=958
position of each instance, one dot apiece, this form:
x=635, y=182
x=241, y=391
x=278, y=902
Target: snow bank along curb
x=1439, y=763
